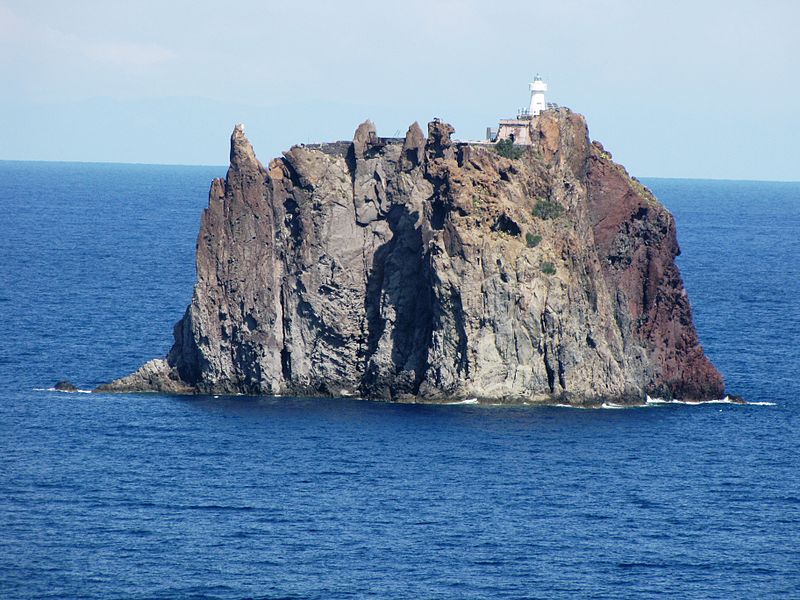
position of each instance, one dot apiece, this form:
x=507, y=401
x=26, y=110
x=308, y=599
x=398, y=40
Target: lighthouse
x=538, y=88
x=519, y=129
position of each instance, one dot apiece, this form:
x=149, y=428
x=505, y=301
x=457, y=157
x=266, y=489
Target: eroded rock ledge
x=423, y=269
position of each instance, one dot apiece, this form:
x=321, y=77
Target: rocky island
x=427, y=269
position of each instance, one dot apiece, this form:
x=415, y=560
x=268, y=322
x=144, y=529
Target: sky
x=701, y=89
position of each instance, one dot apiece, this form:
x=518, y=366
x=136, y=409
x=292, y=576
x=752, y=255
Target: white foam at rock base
x=467, y=401
x=725, y=400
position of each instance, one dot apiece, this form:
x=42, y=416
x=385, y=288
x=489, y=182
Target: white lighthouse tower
x=519, y=130
x=538, y=88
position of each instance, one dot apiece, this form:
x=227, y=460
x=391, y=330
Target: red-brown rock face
x=636, y=242
x=426, y=269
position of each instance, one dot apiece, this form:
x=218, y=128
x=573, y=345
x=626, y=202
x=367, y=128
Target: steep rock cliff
x=433, y=270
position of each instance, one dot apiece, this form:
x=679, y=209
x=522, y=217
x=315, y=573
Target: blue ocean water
x=147, y=496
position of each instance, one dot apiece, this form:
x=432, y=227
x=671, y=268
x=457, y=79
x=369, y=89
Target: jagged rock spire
x=413, y=147
x=439, y=143
x=363, y=134
x=242, y=154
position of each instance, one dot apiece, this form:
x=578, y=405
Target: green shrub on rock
x=532, y=239
x=546, y=209
x=507, y=149
x=548, y=268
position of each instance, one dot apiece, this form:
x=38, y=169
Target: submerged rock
x=432, y=270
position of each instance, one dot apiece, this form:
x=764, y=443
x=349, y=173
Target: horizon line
x=147, y=164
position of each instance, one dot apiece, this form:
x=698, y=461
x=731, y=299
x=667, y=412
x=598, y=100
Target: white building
x=519, y=129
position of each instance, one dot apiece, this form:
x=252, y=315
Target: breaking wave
x=613, y=406
x=726, y=400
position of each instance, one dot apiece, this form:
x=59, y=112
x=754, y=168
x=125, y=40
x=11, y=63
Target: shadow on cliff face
x=185, y=356
x=398, y=309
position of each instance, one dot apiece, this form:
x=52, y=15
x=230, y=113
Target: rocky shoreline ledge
x=430, y=270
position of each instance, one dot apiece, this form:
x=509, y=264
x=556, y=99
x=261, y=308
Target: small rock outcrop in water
x=65, y=385
x=423, y=269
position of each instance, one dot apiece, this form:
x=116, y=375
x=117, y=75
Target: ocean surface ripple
x=148, y=496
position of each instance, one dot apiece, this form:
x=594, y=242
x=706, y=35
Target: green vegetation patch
x=532, y=239
x=507, y=149
x=546, y=209
x=547, y=268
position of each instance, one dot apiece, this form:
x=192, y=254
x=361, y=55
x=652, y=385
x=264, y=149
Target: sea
x=158, y=496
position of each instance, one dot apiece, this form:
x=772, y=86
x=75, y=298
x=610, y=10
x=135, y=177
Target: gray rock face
x=154, y=376
x=420, y=271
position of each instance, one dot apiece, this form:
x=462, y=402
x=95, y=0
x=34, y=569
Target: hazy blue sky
x=673, y=89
